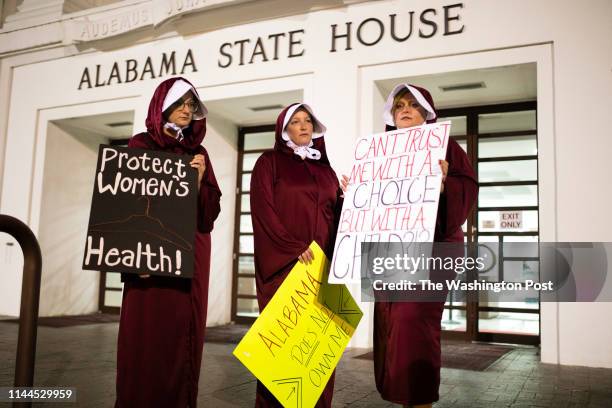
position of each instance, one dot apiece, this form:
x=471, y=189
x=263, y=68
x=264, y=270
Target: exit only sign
x=510, y=219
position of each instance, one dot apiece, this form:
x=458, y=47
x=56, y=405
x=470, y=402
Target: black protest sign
x=143, y=213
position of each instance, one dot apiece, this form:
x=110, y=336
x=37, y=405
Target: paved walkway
x=84, y=357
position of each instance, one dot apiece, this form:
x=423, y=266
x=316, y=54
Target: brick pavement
x=84, y=357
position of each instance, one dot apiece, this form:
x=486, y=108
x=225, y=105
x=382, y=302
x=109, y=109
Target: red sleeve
x=209, y=198
x=460, y=191
x=275, y=248
x=139, y=141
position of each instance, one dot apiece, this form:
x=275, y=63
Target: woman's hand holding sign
x=444, y=167
x=344, y=183
x=199, y=163
x=307, y=257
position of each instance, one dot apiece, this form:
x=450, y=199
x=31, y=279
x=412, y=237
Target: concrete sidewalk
x=84, y=357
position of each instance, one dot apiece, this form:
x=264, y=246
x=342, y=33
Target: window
x=252, y=142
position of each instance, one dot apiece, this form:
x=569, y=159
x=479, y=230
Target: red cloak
x=161, y=331
x=407, y=351
x=293, y=202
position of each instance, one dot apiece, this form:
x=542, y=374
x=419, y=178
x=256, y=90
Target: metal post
x=30, y=295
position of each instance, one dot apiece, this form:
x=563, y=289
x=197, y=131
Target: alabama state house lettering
x=130, y=70
x=397, y=27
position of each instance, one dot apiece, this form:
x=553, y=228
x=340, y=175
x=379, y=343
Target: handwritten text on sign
x=298, y=339
x=393, y=194
x=143, y=213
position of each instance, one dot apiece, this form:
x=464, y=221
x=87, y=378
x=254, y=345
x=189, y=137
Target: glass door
x=252, y=142
x=501, y=142
x=454, y=321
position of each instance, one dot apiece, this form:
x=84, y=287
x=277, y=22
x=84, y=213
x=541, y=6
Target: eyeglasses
x=192, y=105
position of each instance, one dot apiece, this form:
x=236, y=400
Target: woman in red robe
x=407, y=353
x=161, y=331
x=295, y=199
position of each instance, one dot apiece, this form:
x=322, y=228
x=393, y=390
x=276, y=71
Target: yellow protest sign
x=298, y=339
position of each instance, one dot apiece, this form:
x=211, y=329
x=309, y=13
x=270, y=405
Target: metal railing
x=30, y=295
